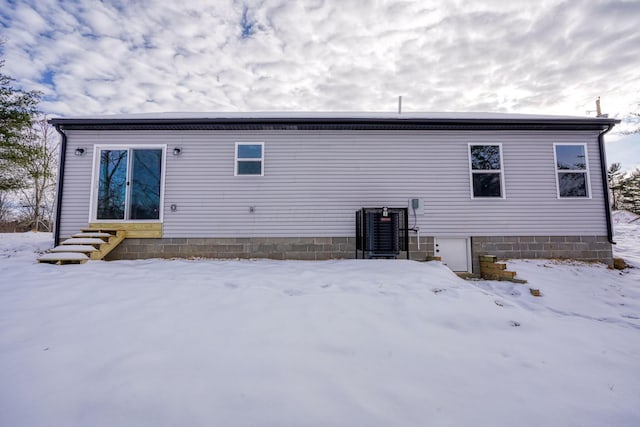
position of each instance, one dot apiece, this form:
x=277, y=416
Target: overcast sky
x=544, y=56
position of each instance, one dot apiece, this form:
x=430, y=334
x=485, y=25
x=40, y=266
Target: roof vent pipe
x=400, y=104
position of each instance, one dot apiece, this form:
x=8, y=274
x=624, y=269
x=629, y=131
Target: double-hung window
x=572, y=170
x=249, y=158
x=485, y=163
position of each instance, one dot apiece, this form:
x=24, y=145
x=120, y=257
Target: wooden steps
x=74, y=248
x=61, y=258
x=91, y=234
x=90, y=243
x=490, y=269
x=83, y=241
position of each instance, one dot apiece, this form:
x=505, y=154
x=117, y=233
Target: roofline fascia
x=158, y=123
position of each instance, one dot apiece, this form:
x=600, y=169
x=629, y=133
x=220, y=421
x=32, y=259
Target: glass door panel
x=112, y=184
x=129, y=184
x=146, y=171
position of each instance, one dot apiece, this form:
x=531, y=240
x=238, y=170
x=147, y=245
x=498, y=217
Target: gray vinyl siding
x=74, y=213
x=314, y=181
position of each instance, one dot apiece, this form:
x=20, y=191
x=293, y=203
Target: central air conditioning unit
x=382, y=232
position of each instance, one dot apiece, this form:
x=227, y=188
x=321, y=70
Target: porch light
x=80, y=151
x=177, y=151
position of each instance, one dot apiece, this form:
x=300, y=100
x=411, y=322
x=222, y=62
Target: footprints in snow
x=503, y=304
x=288, y=292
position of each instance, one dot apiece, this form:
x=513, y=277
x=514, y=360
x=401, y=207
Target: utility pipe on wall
x=63, y=152
x=605, y=183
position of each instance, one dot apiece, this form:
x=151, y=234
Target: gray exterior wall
x=314, y=181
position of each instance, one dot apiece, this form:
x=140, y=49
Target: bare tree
x=616, y=178
x=4, y=207
x=38, y=196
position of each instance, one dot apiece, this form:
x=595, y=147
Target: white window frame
x=584, y=171
x=503, y=192
x=93, y=203
x=236, y=159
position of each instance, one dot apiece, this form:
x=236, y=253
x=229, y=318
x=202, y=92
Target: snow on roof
x=291, y=115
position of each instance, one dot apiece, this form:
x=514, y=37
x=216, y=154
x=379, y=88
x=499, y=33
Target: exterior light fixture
x=177, y=151
x=79, y=151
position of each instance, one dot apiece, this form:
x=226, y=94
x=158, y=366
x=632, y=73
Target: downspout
x=605, y=183
x=63, y=152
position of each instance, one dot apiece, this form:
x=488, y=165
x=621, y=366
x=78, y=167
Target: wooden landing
x=141, y=230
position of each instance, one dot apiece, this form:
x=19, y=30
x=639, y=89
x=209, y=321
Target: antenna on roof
x=400, y=104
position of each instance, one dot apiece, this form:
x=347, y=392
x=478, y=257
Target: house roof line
x=334, y=120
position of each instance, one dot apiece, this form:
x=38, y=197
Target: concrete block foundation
x=300, y=248
x=580, y=248
x=583, y=248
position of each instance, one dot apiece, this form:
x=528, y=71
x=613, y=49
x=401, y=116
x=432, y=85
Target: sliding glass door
x=112, y=184
x=129, y=184
x=144, y=195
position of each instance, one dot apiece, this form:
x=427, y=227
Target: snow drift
x=279, y=343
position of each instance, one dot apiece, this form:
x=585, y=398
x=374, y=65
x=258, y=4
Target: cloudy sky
x=544, y=56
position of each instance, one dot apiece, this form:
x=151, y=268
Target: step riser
x=93, y=235
x=65, y=262
x=74, y=248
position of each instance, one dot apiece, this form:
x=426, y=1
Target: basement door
x=455, y=252
x=128, y=184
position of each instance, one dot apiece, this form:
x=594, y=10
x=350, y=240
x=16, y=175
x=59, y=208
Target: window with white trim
x=249, y=158
x=572, y=170
x=485, y=164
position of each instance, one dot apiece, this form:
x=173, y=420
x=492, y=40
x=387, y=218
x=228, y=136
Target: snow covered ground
x=336, y=343
x=624, y=217
x=627, y=237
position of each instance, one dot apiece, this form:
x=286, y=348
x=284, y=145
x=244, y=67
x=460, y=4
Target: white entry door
x=455, y=252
